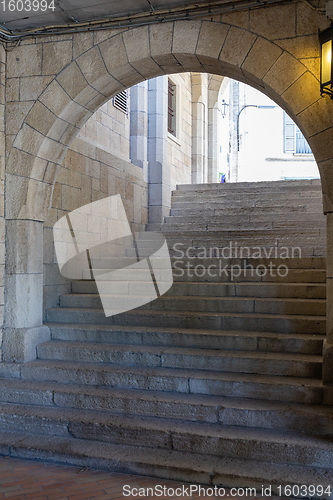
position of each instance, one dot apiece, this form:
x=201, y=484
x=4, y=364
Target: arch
x=126, y=58
x=110, y=62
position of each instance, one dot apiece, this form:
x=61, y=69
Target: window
x=294, y=140
x=120, y=101
x=172, y=108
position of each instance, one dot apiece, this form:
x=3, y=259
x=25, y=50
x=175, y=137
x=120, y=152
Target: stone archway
x=112, y=61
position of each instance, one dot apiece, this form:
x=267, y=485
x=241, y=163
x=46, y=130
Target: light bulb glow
x=326, y=69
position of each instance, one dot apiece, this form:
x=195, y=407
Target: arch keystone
x=185, y=37
x=211, y=39
x=236, y=46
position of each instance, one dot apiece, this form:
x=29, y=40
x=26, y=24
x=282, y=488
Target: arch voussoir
x=211, y=39
x=284, y=72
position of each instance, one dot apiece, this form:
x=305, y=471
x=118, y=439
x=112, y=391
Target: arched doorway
x=99, y=70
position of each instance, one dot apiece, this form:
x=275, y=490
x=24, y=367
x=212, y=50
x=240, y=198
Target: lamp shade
x=326, y=71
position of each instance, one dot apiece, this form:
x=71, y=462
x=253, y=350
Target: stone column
x=159, y=197
x=139, y=126
x=234, y=110
x=213, y=117
x=198, y=130
x=328, y=344
x=24, y=291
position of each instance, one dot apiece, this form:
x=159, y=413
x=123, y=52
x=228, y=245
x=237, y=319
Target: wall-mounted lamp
x=326, y=72
x=223, y=108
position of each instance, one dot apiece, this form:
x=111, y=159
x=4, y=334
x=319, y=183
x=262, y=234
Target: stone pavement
x=25, y=479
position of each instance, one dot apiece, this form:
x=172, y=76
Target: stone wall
x=109, y=129
x=90, y=173
x=98, y=165
x=180, y=146
x=2, y=180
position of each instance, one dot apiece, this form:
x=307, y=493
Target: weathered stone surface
x=93, y=69
x=236, y=46
x=56, y=56
x=13, y=90
x=322, y=145
x=301, y=94
x=301, y=47
x=31, y=87
x=284, y=73
x=274, y=22
x=211, y=39
x=25, y=60
x=24, y=301
x=185, y=37
x=160, y=37
x=134, y=38
x=316, y=117
x=308, y=22
x=24, y=250
x=19, y=344
x=261, y=58
x=55, y=98
x=114, y=54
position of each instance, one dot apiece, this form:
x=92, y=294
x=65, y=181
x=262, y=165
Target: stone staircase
x=269, y=214
x=216, y=382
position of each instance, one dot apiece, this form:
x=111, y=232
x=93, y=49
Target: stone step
x=257, y=235
x=236, y=188
x=199, y=338
x=248, y=219
x=313, y=247
x=160, y=377
x=243, y=201
x=213, y=321
x=302, y=184
x=233, y=190
x=260, y=189
x=241, y=210
x=180, y=465
x=207, y=382
x=252, y=246
x=182, y=406
x=312, y=184
x=279, y=364
x=268, y=226
x=164, y=434
x=254, y=289
x=220, y=274
x=222, y=304
x=188, y=256
x=248, y=199
x=183, y=260
x=281, y=238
